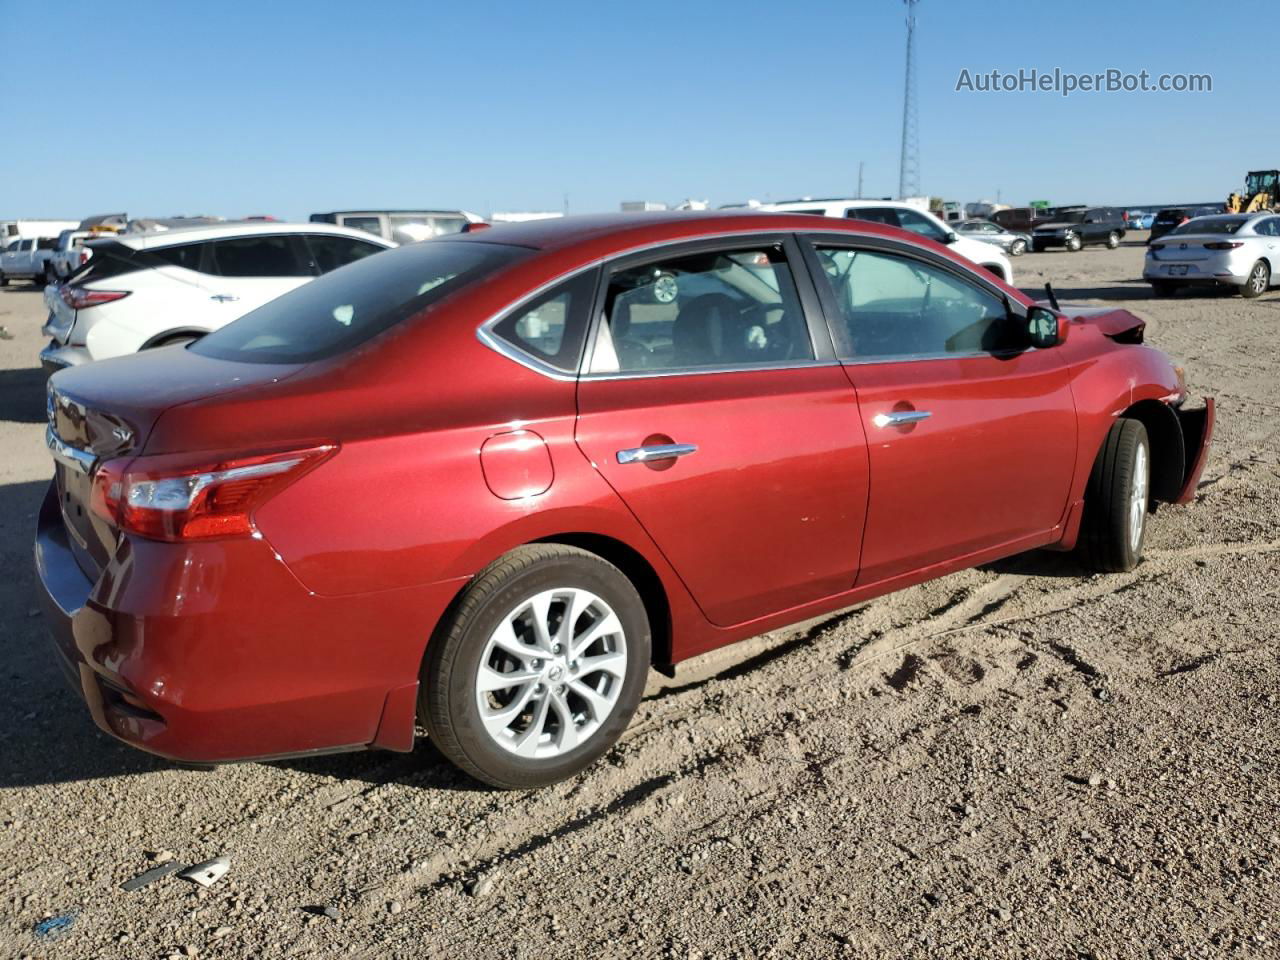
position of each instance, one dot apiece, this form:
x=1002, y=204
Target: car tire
x=1017, y=248
x=1113, y=240
x=1258, y=282
x=1074, y=243
x=527, y=733
x=4, y=281
x=1117, y=500
x=1162, y=288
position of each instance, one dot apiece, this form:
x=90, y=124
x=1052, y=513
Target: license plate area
x=1178, y=270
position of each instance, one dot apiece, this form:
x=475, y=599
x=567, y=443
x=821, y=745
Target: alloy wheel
x=1258, y=279
x=551, y=673
x=1138, y=497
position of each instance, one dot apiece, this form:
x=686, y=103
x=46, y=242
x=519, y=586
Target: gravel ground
x=1020, y=760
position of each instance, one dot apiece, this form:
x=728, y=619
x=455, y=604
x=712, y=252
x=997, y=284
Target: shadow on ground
x=22, y=396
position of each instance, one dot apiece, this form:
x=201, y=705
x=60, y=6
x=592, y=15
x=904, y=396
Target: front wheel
x=538, y=669
x=1017, y=248
x=1116, y=500
x=1113, y=240
x=1259, y=280
x=1074, y=243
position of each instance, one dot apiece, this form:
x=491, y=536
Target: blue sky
x=287, y=108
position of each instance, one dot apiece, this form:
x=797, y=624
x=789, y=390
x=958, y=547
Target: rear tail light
x=84, y=257
x=79, y=298
x=163, y=498
x=1223, y=245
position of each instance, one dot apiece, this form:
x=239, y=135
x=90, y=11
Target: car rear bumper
x=213, y=652
x=57, y=357
x=1212, y=270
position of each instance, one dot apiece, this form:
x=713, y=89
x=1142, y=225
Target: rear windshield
x=1209, y=225
x=343, y=309
x=1170, y=216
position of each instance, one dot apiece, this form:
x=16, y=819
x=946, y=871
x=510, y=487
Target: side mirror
x=1046, y=328
x=950, y=237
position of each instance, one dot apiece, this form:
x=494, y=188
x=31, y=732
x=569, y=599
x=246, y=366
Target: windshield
x=348, y=306
x=1070, y=216
x=1209, y=225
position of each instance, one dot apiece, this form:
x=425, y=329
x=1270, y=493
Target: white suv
x=156, y=289
x=897, y=214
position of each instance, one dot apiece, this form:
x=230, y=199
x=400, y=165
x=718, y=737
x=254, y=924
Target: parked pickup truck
x=1079, y=226
x=26, y=259
x=70, y=254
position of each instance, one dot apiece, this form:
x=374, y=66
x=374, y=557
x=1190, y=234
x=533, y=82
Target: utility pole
x=909, y=171
x=860, y=179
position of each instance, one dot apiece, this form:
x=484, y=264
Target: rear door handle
x=659, y=451
x=900, y=418
x=224, y=297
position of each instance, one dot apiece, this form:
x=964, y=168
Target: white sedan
x=157, y=289
x=1238, y=250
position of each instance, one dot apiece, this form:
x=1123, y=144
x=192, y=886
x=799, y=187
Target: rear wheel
x=1259, y=280
x=4, y=281
x=538, y=669
x=1017, y=248
x=1116, y=500
x=1113, y=240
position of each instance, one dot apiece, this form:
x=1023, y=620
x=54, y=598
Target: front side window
x=259, y=256
x=736, y=307
x=340, y=310
x=918, y=223
x=329, y=252
x=892, y=306
x=885, y=215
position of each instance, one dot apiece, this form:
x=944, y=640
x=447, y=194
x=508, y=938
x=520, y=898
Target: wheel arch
x=160, y=339
x=642, y=575
x=1168, y=448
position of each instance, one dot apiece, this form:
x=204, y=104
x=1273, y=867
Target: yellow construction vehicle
x=1261, y=192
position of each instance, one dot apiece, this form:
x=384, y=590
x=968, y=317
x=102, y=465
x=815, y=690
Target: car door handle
x=659, y=451
x=224, y=297
x=900, y=418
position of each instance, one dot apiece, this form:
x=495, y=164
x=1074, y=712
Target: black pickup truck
x=1075, y=227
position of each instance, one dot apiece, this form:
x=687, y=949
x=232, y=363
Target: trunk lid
x=105, y=410
x=1187, y=246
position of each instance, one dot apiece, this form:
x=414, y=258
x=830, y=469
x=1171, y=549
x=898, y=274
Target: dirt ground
x=1020, y=760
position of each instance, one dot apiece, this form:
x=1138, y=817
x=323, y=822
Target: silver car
x=1240, y=250
x=1012, y=243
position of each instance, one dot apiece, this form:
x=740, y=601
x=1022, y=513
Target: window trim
x=577, y=365
x=824, y=348
x=809, y=243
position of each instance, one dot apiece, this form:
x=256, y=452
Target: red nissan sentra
x=487, y=482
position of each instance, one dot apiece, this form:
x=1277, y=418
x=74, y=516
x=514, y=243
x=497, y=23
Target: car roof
x=377, y=210
x=608, y=234
x=841, y=201
x=225, y=230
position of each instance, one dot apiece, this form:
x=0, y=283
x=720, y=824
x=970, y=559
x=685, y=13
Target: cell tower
x=909, y=171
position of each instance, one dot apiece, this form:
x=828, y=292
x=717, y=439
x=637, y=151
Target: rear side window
x=367, y=224
x=110, y=259
x=259, y=256
x=189, y=256
x=553, y=326
x=330, y=252
x=343, y=309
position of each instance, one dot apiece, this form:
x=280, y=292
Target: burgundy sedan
x=485, y=483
